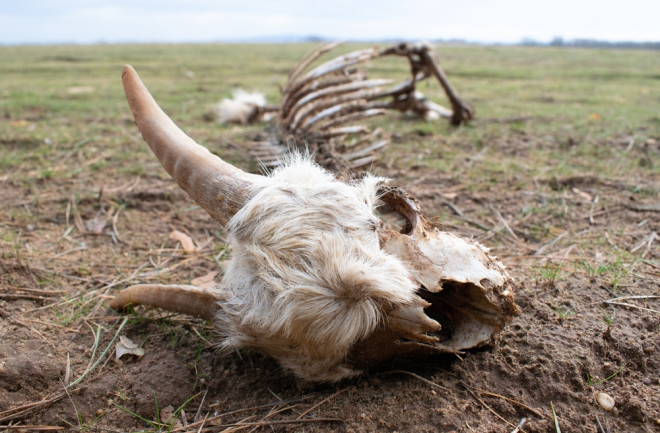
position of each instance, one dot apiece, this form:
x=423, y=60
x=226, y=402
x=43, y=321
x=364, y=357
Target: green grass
x=554, y=417
x=82, y=425
x=613, y=272
x=592, y=382
x=576, y=99
x=609, y=316
x=562, y=312
x=549, y=272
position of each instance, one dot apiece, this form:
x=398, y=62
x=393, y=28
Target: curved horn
x=190, y=300
x=215, y=185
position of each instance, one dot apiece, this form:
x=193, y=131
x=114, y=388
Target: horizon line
x=295, y=39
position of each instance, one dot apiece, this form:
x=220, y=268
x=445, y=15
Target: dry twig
x=520, y=425
x=476, y=397
x=416, y=376
x=510, y=400
x=626, y=304
x=237, y=411
x=20, y=412
x=325, y=400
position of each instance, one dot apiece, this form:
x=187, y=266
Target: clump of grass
x=615, y=272
x=593, y=270
x=549, y=273
x=619, y=273
x=562, y=312
x=608, y=316
x=74, y=309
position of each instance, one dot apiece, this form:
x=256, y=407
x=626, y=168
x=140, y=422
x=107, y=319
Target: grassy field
x=559, y=173
x=581, y=103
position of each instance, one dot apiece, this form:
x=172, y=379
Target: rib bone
x=329, y=88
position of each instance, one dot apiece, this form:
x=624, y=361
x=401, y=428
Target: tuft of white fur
x=241, y=108
x=254, y=98
x=308, y=279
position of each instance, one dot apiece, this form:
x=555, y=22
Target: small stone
x=605, y=401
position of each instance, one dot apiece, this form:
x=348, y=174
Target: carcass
x=318, y=280
x=323, y=108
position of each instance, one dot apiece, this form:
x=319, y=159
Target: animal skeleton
x=321, y=106
x=317, y=280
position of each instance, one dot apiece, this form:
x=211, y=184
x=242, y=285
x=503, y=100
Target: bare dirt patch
x=561, y=349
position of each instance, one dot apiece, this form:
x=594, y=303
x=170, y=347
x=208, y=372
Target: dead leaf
x=186, y=241
x=169, y=417
x=205, y=282
x=97, y=224
x=126, y=346
x=583, y=194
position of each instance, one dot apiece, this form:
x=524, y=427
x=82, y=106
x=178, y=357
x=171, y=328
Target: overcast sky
x=91, y=21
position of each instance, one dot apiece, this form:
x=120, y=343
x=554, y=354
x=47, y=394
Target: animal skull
x=317, y=280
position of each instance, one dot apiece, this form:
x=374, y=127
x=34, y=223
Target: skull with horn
x=317, y=280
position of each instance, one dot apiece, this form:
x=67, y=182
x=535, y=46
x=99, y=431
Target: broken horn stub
x=220, y=188
x=465, y=295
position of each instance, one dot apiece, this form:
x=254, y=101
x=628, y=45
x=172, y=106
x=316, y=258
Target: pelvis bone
x=317, y=279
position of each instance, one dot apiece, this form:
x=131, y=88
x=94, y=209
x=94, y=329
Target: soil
x=566, y=346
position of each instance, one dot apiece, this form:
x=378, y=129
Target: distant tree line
x=555, y=42
x=593, y=43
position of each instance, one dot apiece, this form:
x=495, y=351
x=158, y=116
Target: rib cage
x=322, y=107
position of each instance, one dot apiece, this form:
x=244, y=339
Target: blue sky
x=91, y=21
